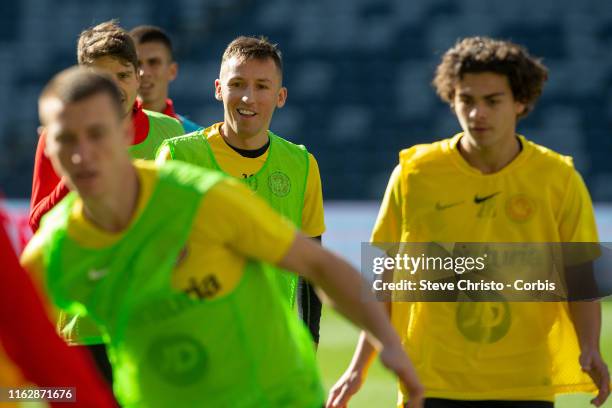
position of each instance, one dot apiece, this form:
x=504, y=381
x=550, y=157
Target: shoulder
x=32, y=256
x=157, y=119
x=312, y=160
x=546, y=157
x=423, y=154
x=189, y=125
x=557, y=169
x=186, y=138
x=287, y=143
x=187, y=174
x=55, y=220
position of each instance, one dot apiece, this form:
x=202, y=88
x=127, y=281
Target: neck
x=155, y=106
x=128, y=123
x=114, y=211
x=247, y=143
x=489, y=159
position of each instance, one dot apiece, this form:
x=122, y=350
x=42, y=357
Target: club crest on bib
x=279, y=184
x=520, y=208
x=179, y=359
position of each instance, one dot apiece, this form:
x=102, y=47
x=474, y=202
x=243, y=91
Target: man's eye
x=96, y=135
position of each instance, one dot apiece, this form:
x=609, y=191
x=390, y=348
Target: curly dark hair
x=526, y=74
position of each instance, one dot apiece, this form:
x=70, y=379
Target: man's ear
x=173, y=71
x=138, y=75
x=41, y=133
x=218, y=95
x=282, y=97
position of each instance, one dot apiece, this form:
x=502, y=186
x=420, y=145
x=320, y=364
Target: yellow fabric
x=231, y=226
x=234, y=164
x=539, y=197
x=10, y=374
x=11, y=377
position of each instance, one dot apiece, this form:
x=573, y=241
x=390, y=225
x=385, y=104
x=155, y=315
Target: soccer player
x=110, y=48
x=284, y=174
x=171, y=262
x=30, y=350
x=157, y=69
x=488, y=184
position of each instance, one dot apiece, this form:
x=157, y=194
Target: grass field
x=338, y=340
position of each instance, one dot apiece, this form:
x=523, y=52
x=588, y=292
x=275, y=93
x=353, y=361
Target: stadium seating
x=358, y=73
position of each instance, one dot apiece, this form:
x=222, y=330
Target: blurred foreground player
x=157, y=69
x=488, y=184
x=171, y=263
x=109, y=48
x=250, y=86
x=30, y=350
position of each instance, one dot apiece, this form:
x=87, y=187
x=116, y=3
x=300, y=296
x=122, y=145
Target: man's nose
x=248, y=95
x=477, y=112
x=81, y=154
x=144, y=70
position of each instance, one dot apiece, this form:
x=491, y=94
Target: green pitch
x=338, y=340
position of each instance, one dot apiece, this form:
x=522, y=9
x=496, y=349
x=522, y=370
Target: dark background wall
x=358, y=74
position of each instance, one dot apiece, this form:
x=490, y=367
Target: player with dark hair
x=110, y=48
x=286, y=175
x=489, y=184
x=157, y=69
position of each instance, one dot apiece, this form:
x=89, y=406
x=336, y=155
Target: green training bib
x=281, y=181
x=166, y=348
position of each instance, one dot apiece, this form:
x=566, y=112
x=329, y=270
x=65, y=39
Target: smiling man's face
x=250, y=89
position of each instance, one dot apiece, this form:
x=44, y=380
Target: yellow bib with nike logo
x=488, y=350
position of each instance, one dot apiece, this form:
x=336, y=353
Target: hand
x=396, y=360
x=592, y=364
x=344, y=389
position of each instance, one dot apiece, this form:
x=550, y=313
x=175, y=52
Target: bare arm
x=343, y=288
x=586, y=317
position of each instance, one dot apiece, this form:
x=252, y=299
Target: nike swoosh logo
x=441, y=207
x=478, y=200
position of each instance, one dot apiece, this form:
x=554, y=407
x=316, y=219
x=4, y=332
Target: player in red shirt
x=109, y=48
x=30, y=342
x=157, y=69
